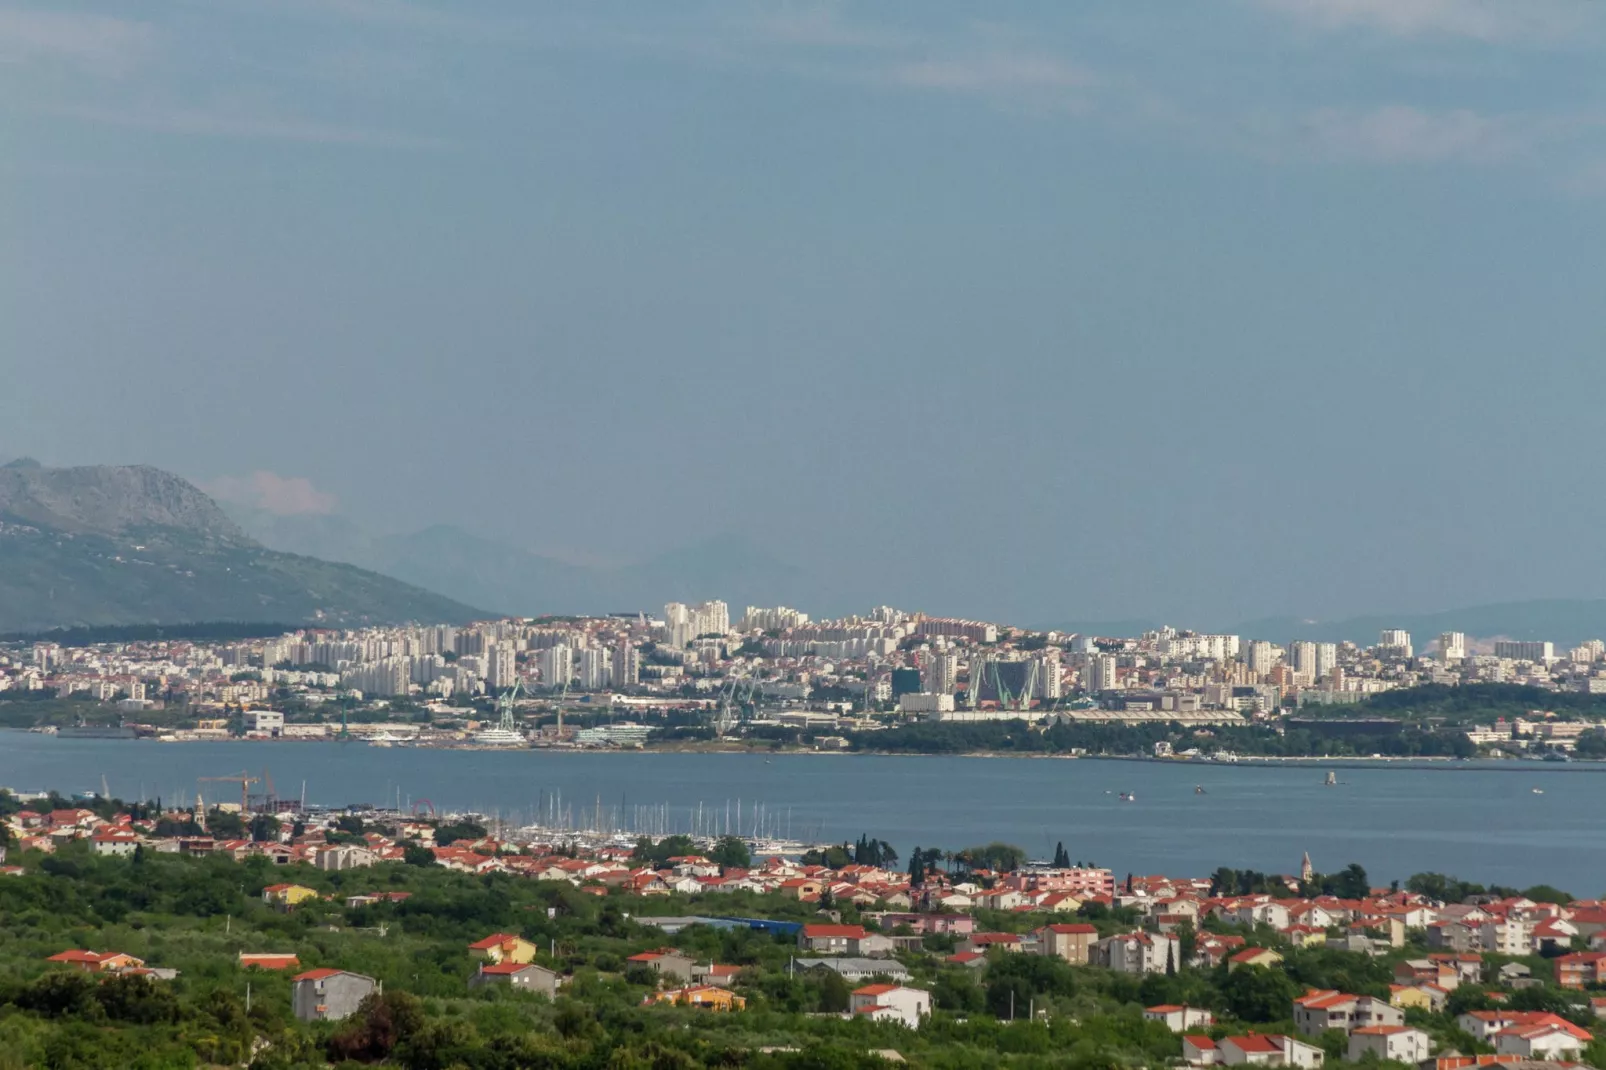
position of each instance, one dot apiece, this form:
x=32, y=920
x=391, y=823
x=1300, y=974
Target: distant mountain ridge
x=109, y=545
x=1566, y=622
x=109, y=500
x=520, y=582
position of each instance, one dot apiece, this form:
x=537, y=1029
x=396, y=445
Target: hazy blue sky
x=1042, y=310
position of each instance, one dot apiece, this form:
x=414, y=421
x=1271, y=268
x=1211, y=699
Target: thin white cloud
x=1481, y=20
x=246, y=127
x=991, y=72
x=1403, y=134
x=269, y=491
x=96, y=43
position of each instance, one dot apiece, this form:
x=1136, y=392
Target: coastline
x=1437, y=764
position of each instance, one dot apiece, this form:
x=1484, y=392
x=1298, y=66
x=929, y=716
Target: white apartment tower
x=1395, y=641
x=501, y=666
x=940, y=672
x=557, y=665
x=1263, y=655
x=1453, y=646
x=595, y=670
x=626, y=664
x=1304, y=659
x=1047, y=686
x=1102, y=673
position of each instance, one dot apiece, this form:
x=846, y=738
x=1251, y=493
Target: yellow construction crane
x=245, y=780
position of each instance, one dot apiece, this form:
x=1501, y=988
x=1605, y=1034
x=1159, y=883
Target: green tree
x=834, y=992
x=731, y=853
x=1256, y=994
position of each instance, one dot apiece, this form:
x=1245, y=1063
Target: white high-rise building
x=1519, y=650
x=1047, y=686
x=712, y=618
x=940, y=673
x=501, y=666
x=1395, y=641
x=1103, y=673
x=626, y=664
x=1453, y=646
x=1587, y=652
x=678, y=626
x=1263, y=655
x=1304, y=659
x=595, y=668
x=557, y=665
x=781, y=618
x=1326, y=659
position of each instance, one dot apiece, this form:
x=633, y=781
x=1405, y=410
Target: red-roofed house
x=1398, y=1043
x=667, y=962
x=525, y=977
x=267, y=961
x=503, y=947
x=1552, y=1040
x=1319, y=1010
x=97, y=961
x=327, y=995
x=1253, y=956
x=985, y=942
x=1199, y=1050
x=1178, y=1017
x=1258, y=1049
x=898, y=1003
x=1073, y=943
x=1580, y=968
x=829, y=939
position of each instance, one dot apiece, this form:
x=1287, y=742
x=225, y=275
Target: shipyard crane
x=245, y=780
x=504, y=706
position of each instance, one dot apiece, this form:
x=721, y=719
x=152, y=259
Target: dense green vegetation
x=1019, y=737
x=1480, y=703
x=197, y=915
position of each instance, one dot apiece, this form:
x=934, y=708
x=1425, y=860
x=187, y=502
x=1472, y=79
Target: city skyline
x=1269, y=308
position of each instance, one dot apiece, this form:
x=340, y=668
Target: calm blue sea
x=1480, y=822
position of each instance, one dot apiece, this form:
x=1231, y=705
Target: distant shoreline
x=1434, y=764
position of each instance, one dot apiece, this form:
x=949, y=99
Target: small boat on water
x=1332, y=778
x=1198, y=789
x=1539, y=791
x=1127, y=796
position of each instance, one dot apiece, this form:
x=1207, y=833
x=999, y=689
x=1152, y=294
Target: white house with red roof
x=1179, y=1017
x=898, y=1003
x=1397, y=1043
x=1319, y=1010
x=1488, y=1026
x=114, y=841
x=1255, y=1049
x=1555, y=1040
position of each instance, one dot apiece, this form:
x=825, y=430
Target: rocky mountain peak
x=109, y=500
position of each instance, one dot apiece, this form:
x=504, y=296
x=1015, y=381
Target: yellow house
x=1429, y=998
x=1254, y=956
x=504, y=947
x=285, y=896
x=706, y=997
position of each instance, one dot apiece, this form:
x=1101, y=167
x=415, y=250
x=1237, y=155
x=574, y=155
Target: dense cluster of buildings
x=1176, y=922
x=777, y=660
